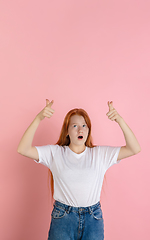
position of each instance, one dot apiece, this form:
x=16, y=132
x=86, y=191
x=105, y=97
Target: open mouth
x=80, y=137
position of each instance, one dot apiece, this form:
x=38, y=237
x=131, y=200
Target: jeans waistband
x=68, y=208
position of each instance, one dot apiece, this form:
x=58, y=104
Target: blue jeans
x=76, y=223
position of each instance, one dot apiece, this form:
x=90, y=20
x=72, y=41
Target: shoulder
x=56, y=148
x=100, y=149
x=49, y=148
x=93, y=150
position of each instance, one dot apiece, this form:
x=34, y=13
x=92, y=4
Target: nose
x=80, y=129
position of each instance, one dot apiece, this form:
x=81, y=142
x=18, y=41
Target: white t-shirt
x=78, y=178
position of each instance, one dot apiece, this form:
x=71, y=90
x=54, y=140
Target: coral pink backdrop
x=81, y=54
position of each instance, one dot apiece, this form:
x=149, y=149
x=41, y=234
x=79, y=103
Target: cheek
x=71, y=132
x=87, y=132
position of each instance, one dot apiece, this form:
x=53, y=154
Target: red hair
x=64, y=139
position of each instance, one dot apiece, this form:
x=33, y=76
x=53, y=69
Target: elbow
x=134, y=150
x=138, y=150
x=19, y=151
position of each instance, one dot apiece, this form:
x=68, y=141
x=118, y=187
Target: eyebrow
x=77, y=123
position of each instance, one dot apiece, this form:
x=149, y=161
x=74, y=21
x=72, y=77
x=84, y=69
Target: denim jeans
x=76, y=223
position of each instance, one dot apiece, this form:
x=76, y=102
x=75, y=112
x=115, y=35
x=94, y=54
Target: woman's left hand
x=113, y=114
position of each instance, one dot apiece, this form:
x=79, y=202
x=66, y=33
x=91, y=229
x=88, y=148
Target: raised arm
x=25, y=146
x=132, y=146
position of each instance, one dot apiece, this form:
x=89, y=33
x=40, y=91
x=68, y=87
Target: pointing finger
x=51, y=103
x=48, y=103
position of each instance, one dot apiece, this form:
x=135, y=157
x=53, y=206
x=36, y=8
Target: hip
x=70, y=222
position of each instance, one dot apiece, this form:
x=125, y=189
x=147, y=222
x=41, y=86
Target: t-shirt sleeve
x=109, y=155
x=46, y=154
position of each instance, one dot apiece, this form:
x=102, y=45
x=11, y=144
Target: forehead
x=76, y=119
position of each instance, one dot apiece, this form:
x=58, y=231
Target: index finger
x=51, y=103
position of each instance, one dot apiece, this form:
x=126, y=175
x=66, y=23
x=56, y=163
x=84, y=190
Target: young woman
x=78, y=169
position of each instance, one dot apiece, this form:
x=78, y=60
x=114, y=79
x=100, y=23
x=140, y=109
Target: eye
x=84, y=125
x=74, y=125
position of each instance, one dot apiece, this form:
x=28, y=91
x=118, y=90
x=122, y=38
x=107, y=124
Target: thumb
x=110, y=105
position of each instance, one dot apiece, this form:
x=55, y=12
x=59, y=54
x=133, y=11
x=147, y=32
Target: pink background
x=81, y=54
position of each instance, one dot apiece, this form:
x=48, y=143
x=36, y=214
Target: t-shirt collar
x=77, y=155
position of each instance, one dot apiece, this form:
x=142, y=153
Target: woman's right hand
x=47, y=111
x=25, y=146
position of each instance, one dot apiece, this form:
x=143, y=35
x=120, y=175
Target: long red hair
x=64, y=139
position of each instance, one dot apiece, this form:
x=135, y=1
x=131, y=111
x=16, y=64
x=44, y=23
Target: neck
x=77, y=149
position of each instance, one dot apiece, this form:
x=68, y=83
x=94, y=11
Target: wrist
x=119, y=120
x=38, y=119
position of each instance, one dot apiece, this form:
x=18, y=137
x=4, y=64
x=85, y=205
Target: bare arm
x=25, y=146
x=132, y=146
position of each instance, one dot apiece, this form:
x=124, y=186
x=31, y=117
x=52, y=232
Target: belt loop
x=68, y=210
x=90, y=210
